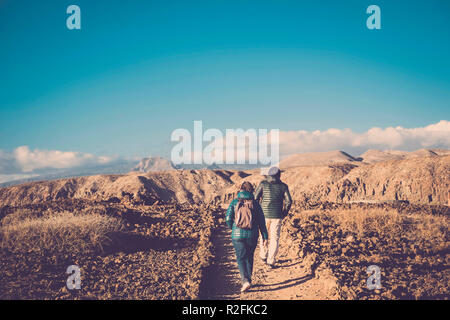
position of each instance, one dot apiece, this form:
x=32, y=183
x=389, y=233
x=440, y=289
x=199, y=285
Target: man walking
x=273, y=192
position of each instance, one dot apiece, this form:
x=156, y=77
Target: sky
x=138, y=70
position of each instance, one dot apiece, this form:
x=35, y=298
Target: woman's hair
x=247, y=186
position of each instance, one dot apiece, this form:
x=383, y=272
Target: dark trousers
x=245, y=249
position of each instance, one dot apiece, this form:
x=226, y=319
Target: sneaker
x=245, y=286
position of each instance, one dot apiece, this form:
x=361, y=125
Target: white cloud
x=435, y=135
x=24, y=160
x=7, y=163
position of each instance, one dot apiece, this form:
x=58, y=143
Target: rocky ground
x=320, y=257
x=173, y=251
x=411, y=268
x=160, y=255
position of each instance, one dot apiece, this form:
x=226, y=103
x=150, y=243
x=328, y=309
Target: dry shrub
x=365, y=222
x=23, y=214
x=428, y=229
x=419, y=228
x=64, y=232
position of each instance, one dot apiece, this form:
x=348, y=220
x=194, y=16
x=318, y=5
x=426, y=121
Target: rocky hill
x=424, y=180
x=372, y=155
x=368, y=157
x=317, y=159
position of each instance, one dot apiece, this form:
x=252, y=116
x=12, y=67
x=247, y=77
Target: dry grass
x=410, y=248
x=365, y=222
x=57, y=233
x=23, y=214
x=422, y=229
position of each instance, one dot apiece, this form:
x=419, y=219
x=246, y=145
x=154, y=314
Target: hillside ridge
x=424, y=180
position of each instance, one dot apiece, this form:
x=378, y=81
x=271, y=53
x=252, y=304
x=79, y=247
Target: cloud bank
x=435, y=135
x=24, y=160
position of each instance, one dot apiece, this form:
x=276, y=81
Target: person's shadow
x=288, y=265
x=284, y=284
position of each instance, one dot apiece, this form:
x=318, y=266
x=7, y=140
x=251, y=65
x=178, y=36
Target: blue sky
x=137, y=70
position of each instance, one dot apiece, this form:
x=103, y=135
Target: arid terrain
x=161, y=235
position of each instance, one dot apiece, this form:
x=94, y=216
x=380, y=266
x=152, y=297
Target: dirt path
x=221, y=280
x=291, y=280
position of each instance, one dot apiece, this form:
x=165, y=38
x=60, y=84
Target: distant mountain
x=221, y=166
x=154, y=164
x=161, y=164
x=213, y=166
x=368, y=157
x=317, y=159
x=116, y=167
x=441, y=152
x=122, y=166
x=421, y=153
x=372, y=156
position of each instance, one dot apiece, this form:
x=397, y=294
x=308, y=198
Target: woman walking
x=246, y=219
